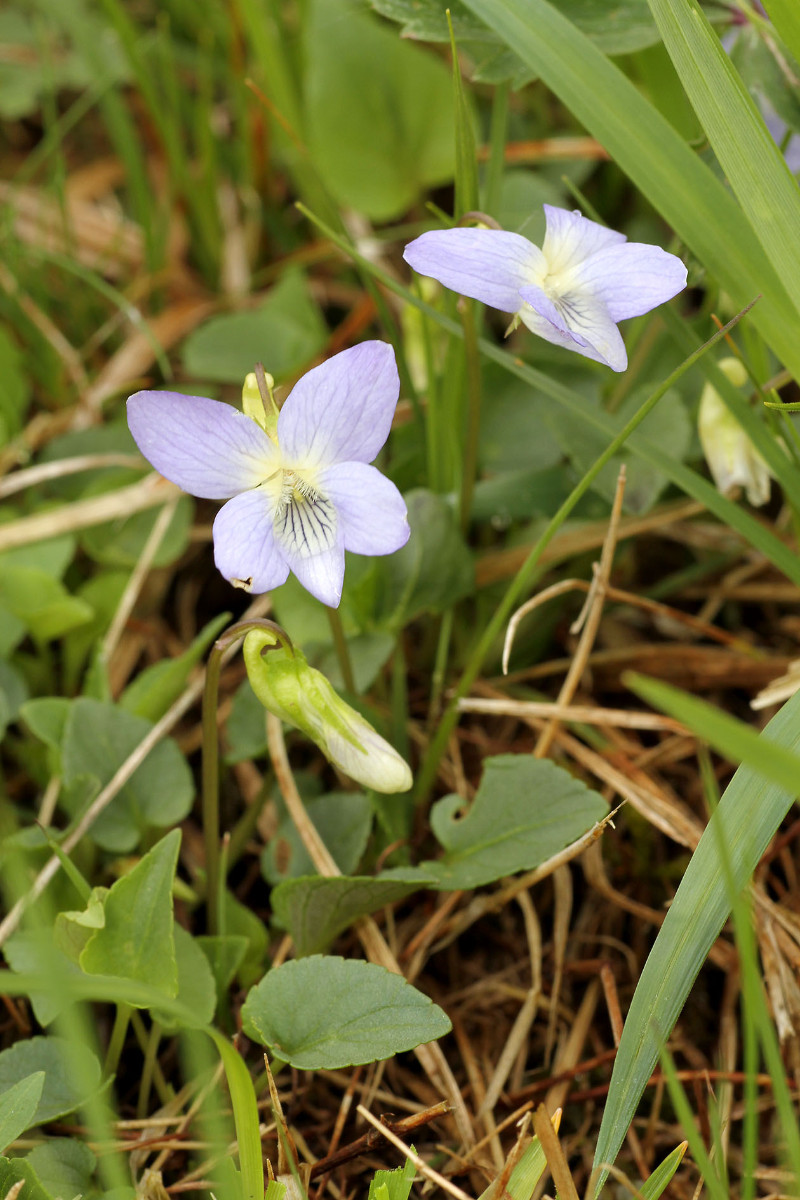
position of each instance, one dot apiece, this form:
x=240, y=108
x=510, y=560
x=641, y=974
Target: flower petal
x=590, y=330
x=490, y=265
x=245, y=549
x=572, y=238
x=549, y=309
x=633, y=278
x=209, y=449
x=372, y=513
x=341, y=410
x=322, y=574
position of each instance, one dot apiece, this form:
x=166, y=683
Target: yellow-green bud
x=301, y=696
x=253, y=405
x=731, y=456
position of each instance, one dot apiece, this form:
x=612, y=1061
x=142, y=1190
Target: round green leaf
x=97, y=739
x=64, y=1166
x=328, y=1012
x=72, y=1073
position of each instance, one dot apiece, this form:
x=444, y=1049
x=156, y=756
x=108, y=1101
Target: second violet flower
x=300, y=489
x=572, y=291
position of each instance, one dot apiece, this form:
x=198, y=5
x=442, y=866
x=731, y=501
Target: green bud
x=301, y=696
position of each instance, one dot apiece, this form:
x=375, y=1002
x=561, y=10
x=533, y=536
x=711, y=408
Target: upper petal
x=633, y=278
x=572, y=238
x=207, y=448
x=245, y=549
x=586, y=327
x=372, y=514
x=341, y=410
x=490, y=265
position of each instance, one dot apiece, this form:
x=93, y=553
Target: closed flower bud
x=731, y=456
x=301, y=696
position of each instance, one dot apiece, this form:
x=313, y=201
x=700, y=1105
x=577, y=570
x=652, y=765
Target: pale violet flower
x=731, y=456
x=571, y=292
x=301, y=489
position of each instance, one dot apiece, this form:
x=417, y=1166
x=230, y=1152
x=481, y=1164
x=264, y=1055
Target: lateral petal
x=490, y=265
x=208, y=448
x=341, y=410
x=245, y=549
x=372, y=514
x=633, y=278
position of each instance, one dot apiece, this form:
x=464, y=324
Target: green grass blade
x=684, y=477
x=752, y=162
x=657, y=1182
x=466, y=199
x=730, y=737
x=245, y=1116
x=709, y=1170
x=785, y=15
x=654, y=156
x=748, y=815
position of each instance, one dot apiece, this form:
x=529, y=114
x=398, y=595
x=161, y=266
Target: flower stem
x=117, y=1039
x=473, y=410
x=526, y=573
x=440, y=667
x=210, y=770
x=342, y=652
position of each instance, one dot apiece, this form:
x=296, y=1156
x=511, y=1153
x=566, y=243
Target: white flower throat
x=305, y=518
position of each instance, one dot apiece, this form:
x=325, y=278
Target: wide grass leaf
x=325, y=1012
x=785, y=16
x=747, y=153
x=654, y=156
x=748, y=814
x=526, y=810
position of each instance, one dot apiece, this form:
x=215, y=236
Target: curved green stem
x=210, y=770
